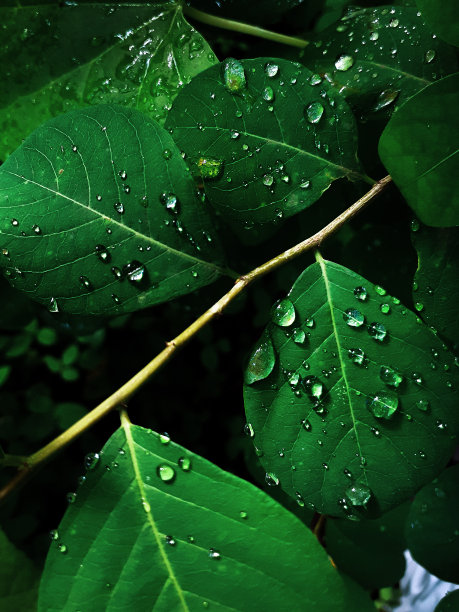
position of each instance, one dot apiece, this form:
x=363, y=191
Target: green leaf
x=255, y=11
x=443, y=19
x=370, y=551
x=65, y=55
x=265, y=139
x=432, y=528
x=419, y=149
x=450, y=603
x=378, y=58
x=18, y=579
x=100, y=215
x=351, y=399
x=162, y=528
x=435, y=287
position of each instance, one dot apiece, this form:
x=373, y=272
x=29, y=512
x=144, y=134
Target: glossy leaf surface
x=100, y=215
x=273, y=136
x=164, y=529
x=351, y=415
x=379, y=57
x=435, y=287
x=444, y=18
x=419, y=149
x=370, y=551
x=432, y=531
x=66, y=55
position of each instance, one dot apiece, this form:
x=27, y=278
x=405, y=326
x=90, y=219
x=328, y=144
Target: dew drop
x=344, y=62
x=234, y=76
x=54, y=535
x=306, y=424
x=353, y=317
x=314, y=112
x=385, y=308
x=261, y=362
x=102, y=253
x=119, y=207
x=268, y=94
x=214, y=554
x=315, y=79
x=358, y=494
x=357, y=356
x=85, y=282
x=299, y=336
x=71, y=497
x=14, y=222
x=310, y=322
x=170, y=201
x=423, y=405
x=166, y=473
x=283, y=313
x=170, y=540
x=361, y=294
x=62, y=549
x=184, y=463
x=386, y=98
x=271, y=69
x=248, y=430
x=53, y=306
x=164, y=438
x=135, y=272
x=390, y=376
x=429, y=56
x=271, y=479
x=377, y=331
x=383, y=404
x=91, y=461
x=122, y=174
x=209, y=168
x=268, y=180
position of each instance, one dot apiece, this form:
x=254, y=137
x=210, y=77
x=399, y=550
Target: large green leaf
x=435, y=287
x=266, y=138
x=63, y=55
x=340, y=394
x=100, y=214
x=419, y=149
x=157, y=527
x=443, y=18
x=370, y=551
x=18, y=579
x=432, y=528
x=449, y=603
x=379, y=57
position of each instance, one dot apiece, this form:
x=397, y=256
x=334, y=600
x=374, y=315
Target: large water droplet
x=166, y=473
x=377, y=331
x=358, y=494
x=268, y=94
x=383, y=404
x=423, y=405
x=314, y=112
x=261, y=362
x=353, y=317
x=184, y=463
x=234, y=76
x=299, y=336
x=283, y=313
x=209, y=168
x=271, y=479
x=390, y=376
x=135, y=272
x=102, y=253
x=344, y=62
x=271, y=69
x=361, y=294
x=357, y=356
x=386, y=98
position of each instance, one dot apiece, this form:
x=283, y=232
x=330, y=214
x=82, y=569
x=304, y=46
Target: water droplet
x=54, y=534
x=62, y=549
x=167, y=153
x=268, y=180
x=358, y=494
x=314, y=112
x=344, y=62
x=119, y=208
x=261, y=362
x=53, y=306
x=85, y=282
x=385, y=308
x=357, y=356
x=170, y=201
x=243, y=514
x=234, y=76
x=429, y=56
x=377, y=331
x=313, y=386
x=419, y=306
x=353, y=317
x=423, y=405
x=271, y=479
x=306, y=424
x=441, y=425
x=170, y=540
x=325, y=466
x=271, y=69
x=248, y=430
x=386, y=98
x=36, y=229
x=390, y=376
x=374, y=36
x=123, y=175
x=135, y=272
x=315, y=79
x=209, y=168
x=380, y=290
x=164, y=438
x=310, y=322
x=361, y=294
x=74, y=148
x=116, y=272
x=91, y=461
x=185, y=463
x=102, y=253
x=415, y=225
x=146, y=506
x=166, y=473
x=71, y=497
x=283, y=313
x=383, y=404
x=299, y=336
x=268, y=94
x=214, y=554
x=417, y=378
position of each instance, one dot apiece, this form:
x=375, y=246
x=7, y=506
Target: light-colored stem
x=244, y=28
x=120, y=397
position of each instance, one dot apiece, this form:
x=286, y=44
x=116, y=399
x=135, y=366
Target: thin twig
x=244, y=28
x=121, y=396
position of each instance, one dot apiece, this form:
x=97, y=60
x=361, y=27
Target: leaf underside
x=319, y=451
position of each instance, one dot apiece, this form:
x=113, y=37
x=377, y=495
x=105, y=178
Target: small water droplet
x=315, y=79
x=71, y=497
x=54, y=534
x=344, y=62
x=353, y=317
x=271, y=479
x=310, y=322
x=53, y=306
x=62, y=549
x=123, y=175
x=415, y=225
x=377, y=331
x=314, y=112
x=299, y=336
x=358, y=494
x=170, y=540
x=268, y=94
x=119, y=207
x=423, y=405
x=268, y=180
x=243, y=514
x=146, y=506
x=283, y=313
x=419, y=306
x=166, y=473
x=167, y=154
x=417, y=378
x=184, y=463
x=214, y=554
x=170, y=201
x=383, y=404
x=164, y=438
x=361, y=294
x=102, y=253
x=135, y=272
x=385, y=308
x=91, y=461
x=14, y=222
x=248, y=430
x=85, y=282
x=271, y=69
x=306, y=424
x=36, y=229
x=390, y=376
x=386, y=98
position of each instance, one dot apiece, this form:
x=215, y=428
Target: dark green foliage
x=142, y=163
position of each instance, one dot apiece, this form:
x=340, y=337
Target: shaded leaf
x=449, y=603
x=67, y=55
x=435, y=287
x=100, y=215
x=362, y=419
x=419, y=149
x=370, y=551
x=443, y=19
x=255, y=11
x=18, y=579
x=378, y=58
x=266, y=140
x=432, y=528
x=198, y=533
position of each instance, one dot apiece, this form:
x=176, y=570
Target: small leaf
x=68, y=55
x=361, y=418
x=280, y=140
x=432, y=528
x=444, y=22
x=97, y=219
x=419, y=149
x=198, y=533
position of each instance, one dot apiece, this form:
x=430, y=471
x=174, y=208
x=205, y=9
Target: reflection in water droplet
x=361, y=294
x=261, y=362
x=283, y=313
x=386, y=98
x=299, y=336
x=268, y=94
x=357, y=356
x=85, y=282
x=390, y=376
x=119, y=207
x=353, y=317
x=248, y=430
x=184, y=463
x=91, y=461
x=164, y=438
x=358, y=494
x=209, y=168
x=166, y=473
x=271, y=479
x=423, y=405
x=214, y=554
x=344, y=62
x=271, y=69
x=102, y=253
x=383, y=404
x=234, y=76
x=135, y=272
x=429, y=56
x=314, y=112
x=377, y=331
